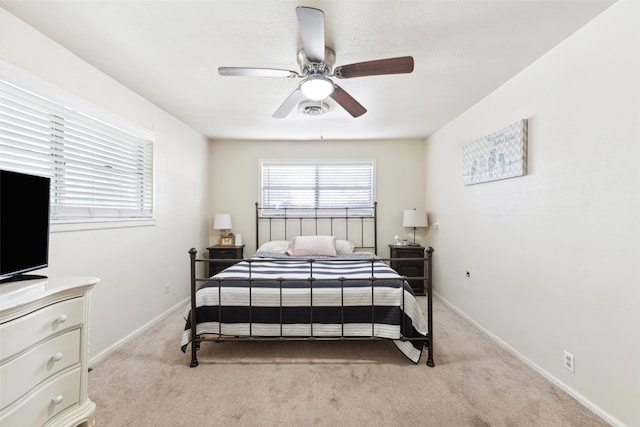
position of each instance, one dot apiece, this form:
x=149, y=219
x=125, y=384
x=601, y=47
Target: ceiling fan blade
x=347, y=102
x=311, y=23
x=256, y=72
x=288, y=104
x=400, y=65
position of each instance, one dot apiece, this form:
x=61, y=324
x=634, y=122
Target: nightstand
x=408, y=267
x=223, y=252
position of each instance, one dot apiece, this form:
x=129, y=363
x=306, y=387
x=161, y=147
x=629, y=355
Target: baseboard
x=607, y=417
x=108, y=351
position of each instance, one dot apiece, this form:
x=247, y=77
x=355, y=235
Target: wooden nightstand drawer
x=225, y=253
x=222, y=253
x=409, y=267
x=408, y=252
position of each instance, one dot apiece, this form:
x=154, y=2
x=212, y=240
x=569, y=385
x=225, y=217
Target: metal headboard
x=358, y=225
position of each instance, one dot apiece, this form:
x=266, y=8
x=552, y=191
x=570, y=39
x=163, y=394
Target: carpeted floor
x=148, y=382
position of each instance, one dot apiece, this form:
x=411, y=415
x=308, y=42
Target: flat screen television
x=24, y=225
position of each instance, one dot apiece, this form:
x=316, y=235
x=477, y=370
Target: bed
x=315, y=276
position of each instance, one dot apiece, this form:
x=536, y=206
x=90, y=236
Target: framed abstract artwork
x=500, y=155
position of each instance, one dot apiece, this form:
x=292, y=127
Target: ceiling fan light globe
x=316, y=88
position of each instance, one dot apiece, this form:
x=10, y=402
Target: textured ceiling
x=169, y=52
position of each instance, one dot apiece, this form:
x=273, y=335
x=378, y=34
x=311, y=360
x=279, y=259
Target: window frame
x=84, y=217
x=362, y=209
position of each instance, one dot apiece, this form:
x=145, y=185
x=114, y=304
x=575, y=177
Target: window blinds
x=97, y=170
x=317, y=185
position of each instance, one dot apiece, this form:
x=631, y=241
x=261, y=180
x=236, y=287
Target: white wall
x=234, y=179
x=134, y=264
x=554, y=256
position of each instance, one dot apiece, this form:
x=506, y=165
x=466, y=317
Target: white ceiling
x=169, y=52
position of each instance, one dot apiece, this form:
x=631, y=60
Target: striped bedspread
x=340, y=300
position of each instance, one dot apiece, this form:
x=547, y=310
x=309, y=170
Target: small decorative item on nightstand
x=227, y=240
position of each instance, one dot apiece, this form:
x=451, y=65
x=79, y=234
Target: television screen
x=24, y=223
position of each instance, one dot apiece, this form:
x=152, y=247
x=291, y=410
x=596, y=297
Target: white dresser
x=43, y=352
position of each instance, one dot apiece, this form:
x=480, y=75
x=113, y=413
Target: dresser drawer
x=45, y=402
x=22, y=333
x=36, y=365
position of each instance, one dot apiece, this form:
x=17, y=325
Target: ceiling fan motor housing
x=316, y=68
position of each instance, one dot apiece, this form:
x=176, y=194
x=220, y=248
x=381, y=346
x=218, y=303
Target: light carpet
x=148, y=382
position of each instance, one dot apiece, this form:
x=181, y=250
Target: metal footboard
x=197, y=281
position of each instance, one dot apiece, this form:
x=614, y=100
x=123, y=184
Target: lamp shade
x=222, y=222
x=415, y=218
x=316, y=88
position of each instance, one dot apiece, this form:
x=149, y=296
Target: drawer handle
x=57, y=357
x=57, y=400
x=62, y=318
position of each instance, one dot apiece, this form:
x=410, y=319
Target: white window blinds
x=97, y=169
x=317, y=185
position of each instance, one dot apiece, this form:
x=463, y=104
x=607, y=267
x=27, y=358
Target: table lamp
x=222, y=222
x=413, y=219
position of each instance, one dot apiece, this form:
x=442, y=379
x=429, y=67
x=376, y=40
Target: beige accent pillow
x=344, y=247
x=274, y=246
x=312, y=245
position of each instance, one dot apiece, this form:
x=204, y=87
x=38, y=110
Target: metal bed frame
x=299, y=217
x=296, y=220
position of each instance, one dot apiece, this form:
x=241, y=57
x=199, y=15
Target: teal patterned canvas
x=500, y=155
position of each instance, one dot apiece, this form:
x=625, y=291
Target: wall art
x=500, y=155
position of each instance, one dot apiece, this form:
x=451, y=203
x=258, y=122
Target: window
x=98, y=168
x=323, y=185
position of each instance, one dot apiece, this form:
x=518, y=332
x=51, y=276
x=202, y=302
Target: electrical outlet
x=167, y=288
x=569, y=361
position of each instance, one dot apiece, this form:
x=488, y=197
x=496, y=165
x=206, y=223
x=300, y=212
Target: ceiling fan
x=316, y=61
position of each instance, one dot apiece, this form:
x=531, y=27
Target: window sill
x=62, y=226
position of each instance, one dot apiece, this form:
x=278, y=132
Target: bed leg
x=429, y=288
x=429, y=347
x=195, y=342
x=195, y=346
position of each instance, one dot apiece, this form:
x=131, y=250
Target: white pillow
x=344, y=247
x=312, y=245
x=274, y=246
